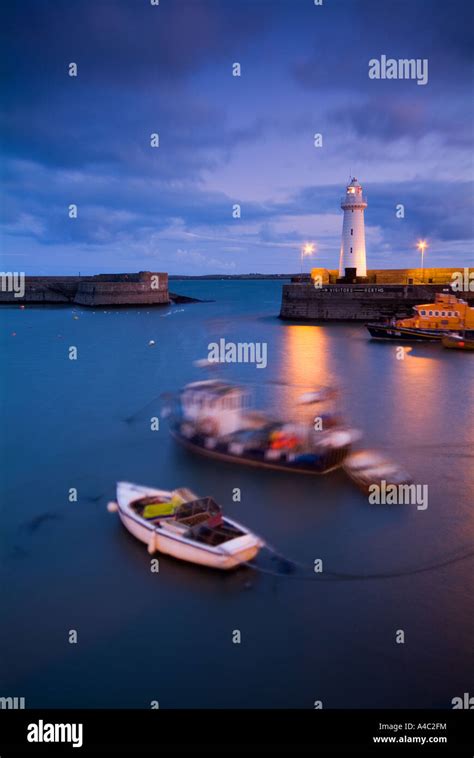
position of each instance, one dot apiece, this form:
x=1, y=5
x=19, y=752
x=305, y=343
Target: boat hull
x=458, y=343
x=326, y=462
x=185, y=552
x=403, y=334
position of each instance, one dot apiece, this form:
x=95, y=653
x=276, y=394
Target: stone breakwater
x=144, y=288
x=301, y=301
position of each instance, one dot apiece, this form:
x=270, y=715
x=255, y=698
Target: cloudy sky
x=167, y=69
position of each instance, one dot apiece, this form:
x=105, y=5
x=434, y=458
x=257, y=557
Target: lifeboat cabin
x=446, y=314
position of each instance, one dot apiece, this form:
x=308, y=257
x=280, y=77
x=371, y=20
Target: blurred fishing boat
x=182, y=525
x=215, y=418
x=458, y=342
x=429, y=323
x=368, y=467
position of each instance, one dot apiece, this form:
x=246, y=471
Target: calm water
x=168, y=636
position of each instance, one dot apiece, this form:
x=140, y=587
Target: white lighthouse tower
x=353, y=232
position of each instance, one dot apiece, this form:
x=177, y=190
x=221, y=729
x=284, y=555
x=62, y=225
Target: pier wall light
x=422, y=245
x=307, y=250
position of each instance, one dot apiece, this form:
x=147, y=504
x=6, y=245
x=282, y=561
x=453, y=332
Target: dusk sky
x=167, y=69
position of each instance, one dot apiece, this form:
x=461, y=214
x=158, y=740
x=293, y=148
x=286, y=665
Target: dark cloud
x=347, y=35
x=123, y=42
x=390, y=117
x=167, y=69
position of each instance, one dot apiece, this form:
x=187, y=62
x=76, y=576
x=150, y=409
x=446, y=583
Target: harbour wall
x=357, y=302
x=143, y=288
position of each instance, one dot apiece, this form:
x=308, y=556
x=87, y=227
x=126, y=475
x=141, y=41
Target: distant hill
x=233, y=276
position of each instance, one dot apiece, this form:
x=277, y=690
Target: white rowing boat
x=182, y=525
x=368, y=467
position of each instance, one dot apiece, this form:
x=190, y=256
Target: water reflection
x=305, y=364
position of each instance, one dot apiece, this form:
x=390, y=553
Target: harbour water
x=167, y=636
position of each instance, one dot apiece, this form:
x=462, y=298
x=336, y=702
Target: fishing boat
x=214, y=418
x=185, y=526
x=430, y=322
x=368, y=467
x=458, y=341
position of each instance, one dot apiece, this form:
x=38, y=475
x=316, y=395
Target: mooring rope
x=289, y=567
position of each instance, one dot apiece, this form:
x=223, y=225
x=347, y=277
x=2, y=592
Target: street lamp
x=422, y=245
x=306, y=251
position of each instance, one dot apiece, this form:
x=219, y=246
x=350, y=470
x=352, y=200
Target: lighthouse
x=353, y=232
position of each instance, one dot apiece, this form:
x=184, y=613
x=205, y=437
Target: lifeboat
x=430, y=322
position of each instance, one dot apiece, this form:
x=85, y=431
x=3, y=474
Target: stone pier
x=383, y=294
x=111, y=290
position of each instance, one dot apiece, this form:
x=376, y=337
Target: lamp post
x=306, y=250
x=422, y=245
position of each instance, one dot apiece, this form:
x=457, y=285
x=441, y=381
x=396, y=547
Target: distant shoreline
x=233, y=276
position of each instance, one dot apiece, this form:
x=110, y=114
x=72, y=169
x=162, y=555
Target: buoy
x=151, y=342
x=112, y=507
x=13, y=334
x=75, y=317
